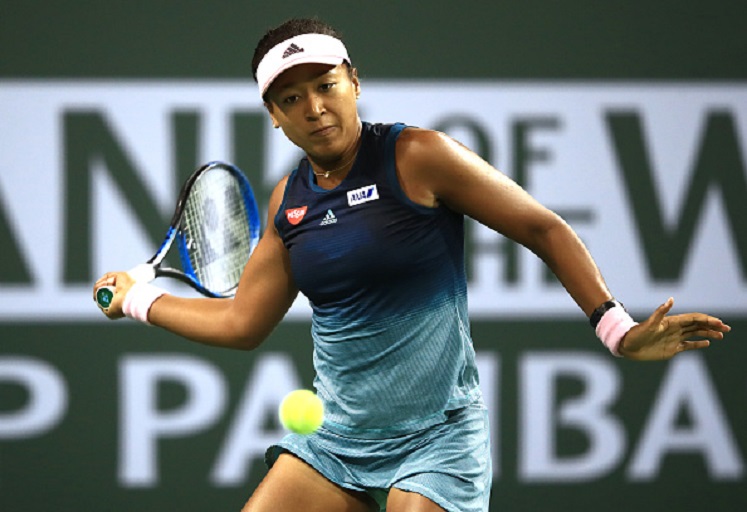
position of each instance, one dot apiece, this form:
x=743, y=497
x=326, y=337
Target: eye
x=326, y=86
x=290, y=100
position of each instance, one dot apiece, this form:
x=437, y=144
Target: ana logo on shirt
x=363, y=195
x=295, y=215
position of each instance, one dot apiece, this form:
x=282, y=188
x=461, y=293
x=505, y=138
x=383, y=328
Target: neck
x=343, y=163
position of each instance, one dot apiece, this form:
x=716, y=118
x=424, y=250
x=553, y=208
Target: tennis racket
x=216, y=226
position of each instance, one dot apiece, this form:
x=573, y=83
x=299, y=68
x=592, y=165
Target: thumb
x=662, y=311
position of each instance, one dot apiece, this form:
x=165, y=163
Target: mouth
x=323, y=131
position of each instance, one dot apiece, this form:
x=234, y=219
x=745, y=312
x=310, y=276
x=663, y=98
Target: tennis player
x=369, y=228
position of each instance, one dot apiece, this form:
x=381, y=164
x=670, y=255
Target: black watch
x=598, y=313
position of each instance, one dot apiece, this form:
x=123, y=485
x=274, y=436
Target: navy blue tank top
x=386, y=282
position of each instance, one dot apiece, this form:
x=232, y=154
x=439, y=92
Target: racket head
x=217, y=228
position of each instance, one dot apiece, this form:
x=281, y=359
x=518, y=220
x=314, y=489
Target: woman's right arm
x=265, y=293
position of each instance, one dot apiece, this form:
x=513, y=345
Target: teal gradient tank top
x=386, y=281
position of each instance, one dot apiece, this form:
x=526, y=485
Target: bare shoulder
x=276, y=199
x=429, y=163
x=420, y=144
x=421, y=155
x=279, y=190
x=435, y=152
x=436, y=169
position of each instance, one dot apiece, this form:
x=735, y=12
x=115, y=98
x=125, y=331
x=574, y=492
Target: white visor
x=303, y=49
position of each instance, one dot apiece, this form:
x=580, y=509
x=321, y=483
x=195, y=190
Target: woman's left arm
x=434, y=169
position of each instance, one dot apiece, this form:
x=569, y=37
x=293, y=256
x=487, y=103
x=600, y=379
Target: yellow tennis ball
x=301, y=411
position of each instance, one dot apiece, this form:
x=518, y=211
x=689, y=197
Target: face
x=315, y=105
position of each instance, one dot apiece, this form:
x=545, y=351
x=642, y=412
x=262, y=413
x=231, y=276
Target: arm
x=265, y=293
x=435, y=169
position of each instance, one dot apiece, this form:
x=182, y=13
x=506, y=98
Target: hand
x=122, y=282
x=662, y=337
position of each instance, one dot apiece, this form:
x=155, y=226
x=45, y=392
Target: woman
x=369, y=228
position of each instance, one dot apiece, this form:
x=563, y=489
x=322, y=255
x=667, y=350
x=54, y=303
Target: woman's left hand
x=662, y=337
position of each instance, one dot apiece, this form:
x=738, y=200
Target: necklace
x=327, y=173
x=352, y=157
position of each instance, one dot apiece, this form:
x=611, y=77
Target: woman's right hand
x=120, y=282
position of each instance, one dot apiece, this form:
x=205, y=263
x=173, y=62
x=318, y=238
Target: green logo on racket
x=104, y=297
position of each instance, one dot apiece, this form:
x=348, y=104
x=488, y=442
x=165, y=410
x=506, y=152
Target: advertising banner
x=652, y=177
x=120, y=416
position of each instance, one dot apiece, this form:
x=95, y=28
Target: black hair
x=291, y=28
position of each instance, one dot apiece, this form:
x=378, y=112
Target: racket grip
x=104, y=297
x=144, y=272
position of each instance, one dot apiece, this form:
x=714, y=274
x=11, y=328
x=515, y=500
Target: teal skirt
x=448, y=463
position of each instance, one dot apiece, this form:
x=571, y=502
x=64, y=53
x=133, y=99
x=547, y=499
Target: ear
x=356, y=83
x=270, y=111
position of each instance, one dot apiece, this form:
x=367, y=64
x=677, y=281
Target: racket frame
x=152, y=267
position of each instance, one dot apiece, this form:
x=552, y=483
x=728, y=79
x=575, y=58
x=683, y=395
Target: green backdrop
x=74, y=466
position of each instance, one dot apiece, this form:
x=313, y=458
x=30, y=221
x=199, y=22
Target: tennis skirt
x=448, y=463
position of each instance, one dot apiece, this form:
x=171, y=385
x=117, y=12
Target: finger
x=690, y=323
x=109, y=280
x=662, y=311
x=698, y=321
x=694, y=345
x=701, y=330
x=718, y=324
x=104, y=281
x=704, y=333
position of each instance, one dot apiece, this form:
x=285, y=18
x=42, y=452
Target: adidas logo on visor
x=293, y=48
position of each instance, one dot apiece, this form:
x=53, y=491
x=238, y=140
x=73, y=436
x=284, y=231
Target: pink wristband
x=139, y=299
x=613, y=326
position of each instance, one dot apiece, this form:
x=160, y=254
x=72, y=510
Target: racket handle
x=144, y=272
x=104, y=297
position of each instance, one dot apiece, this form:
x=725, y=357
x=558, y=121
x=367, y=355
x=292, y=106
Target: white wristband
x=612, y=327
x=139, y=299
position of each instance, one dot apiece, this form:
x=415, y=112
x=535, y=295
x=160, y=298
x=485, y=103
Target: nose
x=315, y=107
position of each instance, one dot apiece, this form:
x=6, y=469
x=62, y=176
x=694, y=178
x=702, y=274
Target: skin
x=315, y=106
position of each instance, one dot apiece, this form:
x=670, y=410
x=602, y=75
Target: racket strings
x=218, y=238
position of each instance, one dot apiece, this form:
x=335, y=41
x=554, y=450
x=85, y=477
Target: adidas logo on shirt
x=293, y=48
x=328, y=219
